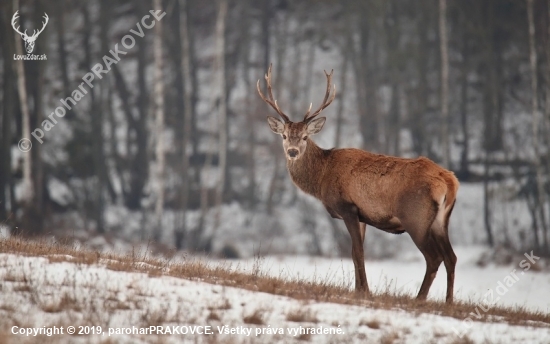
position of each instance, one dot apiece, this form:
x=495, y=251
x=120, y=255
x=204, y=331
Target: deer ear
x=316, y=125
x=276, y=125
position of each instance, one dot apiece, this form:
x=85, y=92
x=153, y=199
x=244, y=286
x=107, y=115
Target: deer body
x=385, y=190
x=393, y=194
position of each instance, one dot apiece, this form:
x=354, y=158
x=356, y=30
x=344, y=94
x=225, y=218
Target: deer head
x=295, y=134
x=29, y=40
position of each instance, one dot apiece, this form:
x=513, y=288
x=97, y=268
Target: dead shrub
x=299, y=315
x=389, y=337
x=255, y=318
x=373, y=323
x=213, y=316
x=304, y=337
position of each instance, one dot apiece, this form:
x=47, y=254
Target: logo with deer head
x=29, y=40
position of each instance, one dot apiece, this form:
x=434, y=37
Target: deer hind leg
x=449, y=256
x=449, y=259
x=421, y=230
x=357, y=253
x=440, y=236
x=430, y=250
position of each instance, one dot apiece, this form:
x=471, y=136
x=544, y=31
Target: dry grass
x=255, y=318
x=373, y=323
x=304, y=337
x=223, y=306
x=389, y=338
x=463, y=340
x=66, y=302
x=213, y=316
x=194, y=269
x=299, y=315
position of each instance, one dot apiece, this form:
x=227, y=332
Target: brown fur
x=393, y=194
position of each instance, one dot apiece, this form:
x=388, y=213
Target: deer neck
x=307, y=172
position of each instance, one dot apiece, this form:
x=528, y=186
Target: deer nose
x=292, y=152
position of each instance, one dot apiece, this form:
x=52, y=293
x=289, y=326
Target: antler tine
x=14, y=22
x=271, y=101
x=325, y=103
x=44, y=23
x=308, y=110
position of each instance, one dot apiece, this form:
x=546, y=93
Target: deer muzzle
x=292, y=152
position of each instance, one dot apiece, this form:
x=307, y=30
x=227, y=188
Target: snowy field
x=39, y=294
x=405, y=274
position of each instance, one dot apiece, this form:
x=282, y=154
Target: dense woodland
x=174, y=130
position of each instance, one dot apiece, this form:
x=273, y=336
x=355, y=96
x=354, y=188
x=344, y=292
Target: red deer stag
x=393, y=194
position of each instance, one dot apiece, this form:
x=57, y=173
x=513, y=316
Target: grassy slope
x=195, y=269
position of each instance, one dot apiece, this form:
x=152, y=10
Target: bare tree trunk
x=87, y=42
x=28, y=187
x=139, y=160
x=7, y=204
x=367, y=78
x=464, y=169
x=61, y=51
x=35, y=219
x=179, y=235
x=490, y=106
x=421, y=139
x=492, y=71
x=220, y=101
x=281, y=35
x=97, y=125
x=159, y=124
x=250, y=108
x=547, y=103
x=222, y=106
x=535, y=122
x=196, y=243
x=444, y=83
x=486, y=201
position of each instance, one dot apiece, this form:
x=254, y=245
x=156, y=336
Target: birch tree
x=158, y=94
x=28, y=188
x=535, y=123
x=7, y=118
x=222, y=107
x=187, y=116
x=547, y=103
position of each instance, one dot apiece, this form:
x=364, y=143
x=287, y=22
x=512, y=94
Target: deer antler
x=24, y=34
x=13, y=23
x=271, y=101
x=308, y=117
x=46, y=18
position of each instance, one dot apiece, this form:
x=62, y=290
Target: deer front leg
x=362, y=229
x=354, y=228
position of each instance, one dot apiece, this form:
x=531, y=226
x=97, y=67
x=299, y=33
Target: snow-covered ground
x=404, y=274
x=36, y=293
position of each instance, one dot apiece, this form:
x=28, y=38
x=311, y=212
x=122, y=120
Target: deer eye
x=284, y=137
x=305, y=138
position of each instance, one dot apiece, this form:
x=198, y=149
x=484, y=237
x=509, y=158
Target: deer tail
x=452, y=189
